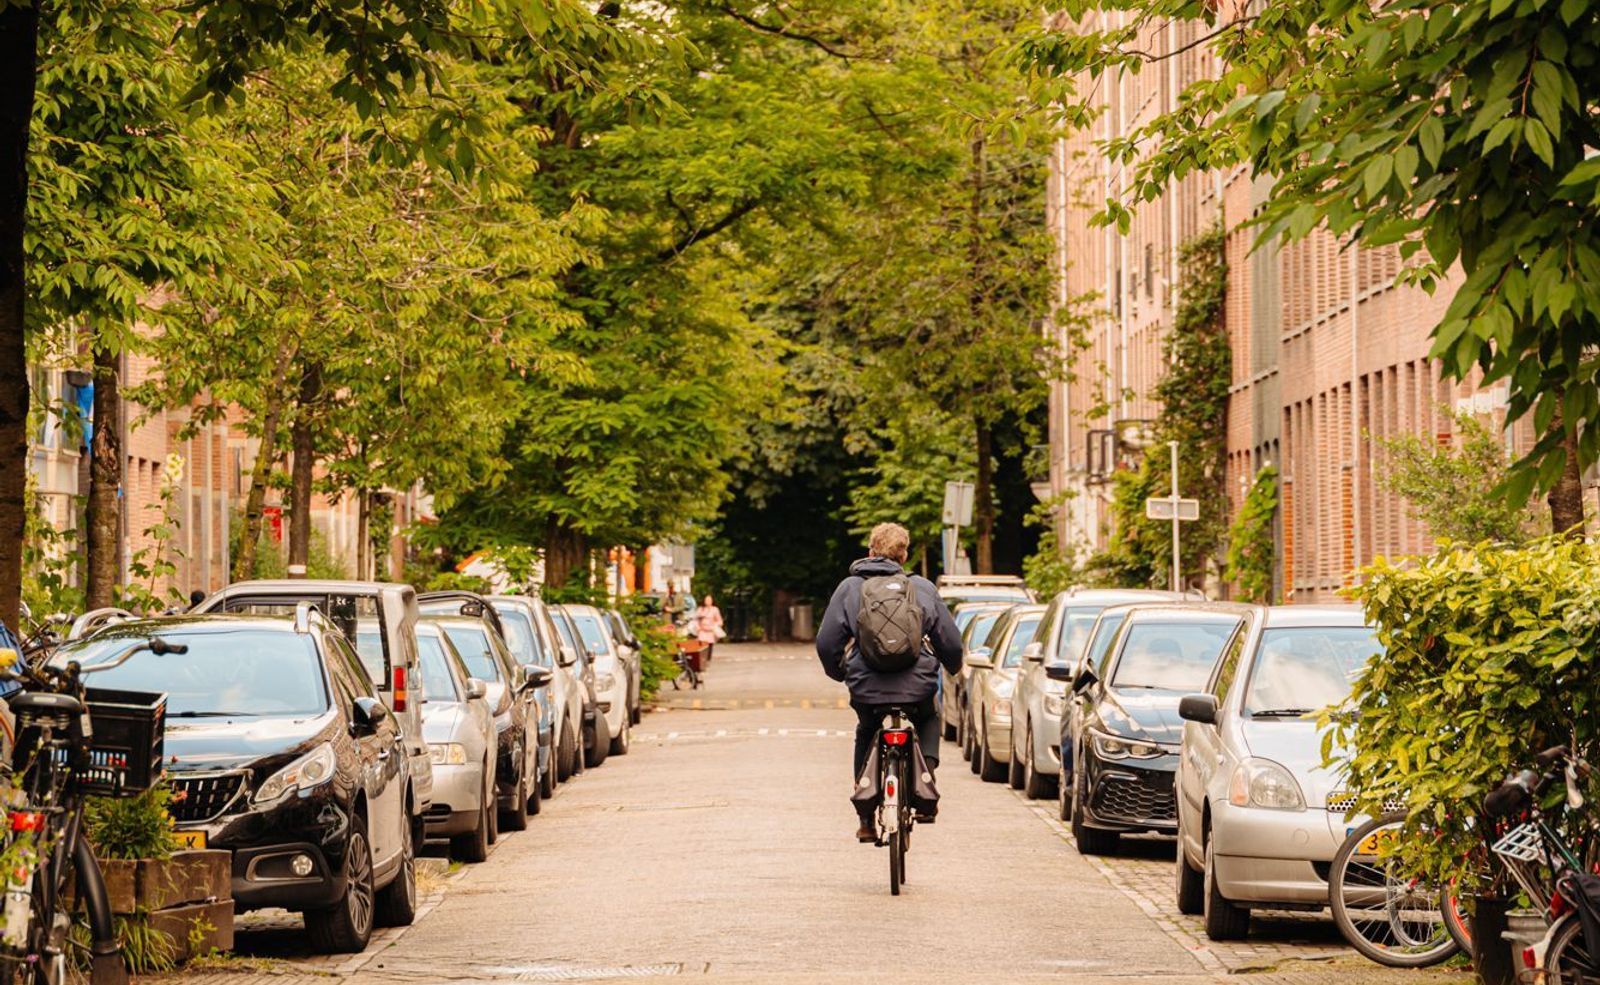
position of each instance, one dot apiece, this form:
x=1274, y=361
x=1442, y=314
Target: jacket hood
x=871, y=567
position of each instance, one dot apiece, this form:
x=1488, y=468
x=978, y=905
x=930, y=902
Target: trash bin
x=802, y=622
x=1524, y=928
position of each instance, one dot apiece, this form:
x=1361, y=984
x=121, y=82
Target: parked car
x=991, y=687
x=390, y=655
x=596, y=732
x=1259, y=817
x=978, y=639
x=281, y=751
x=1126, y=750
x=955, y=589
x=459, y=727
x=1094, y=654
x=613, y=678
x=565, y=695
x=974, y=620
x=633, y=654
x=1039, y=701
x=509, y=690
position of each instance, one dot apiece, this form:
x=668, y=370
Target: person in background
x=669, y=608
x=708, y=625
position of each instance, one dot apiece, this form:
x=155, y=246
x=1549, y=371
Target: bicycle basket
x=1522, y=844
x=125, y=751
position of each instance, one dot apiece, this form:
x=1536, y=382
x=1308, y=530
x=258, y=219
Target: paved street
x=722, y=847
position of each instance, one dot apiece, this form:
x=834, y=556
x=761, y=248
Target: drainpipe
x=1355, y=410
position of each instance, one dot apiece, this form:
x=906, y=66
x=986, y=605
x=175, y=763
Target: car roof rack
x=980, y=580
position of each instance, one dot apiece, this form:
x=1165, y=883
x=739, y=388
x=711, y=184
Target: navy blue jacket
x=836, y=641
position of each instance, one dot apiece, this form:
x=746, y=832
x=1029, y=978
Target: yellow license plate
x=190, y=839
x=1378, y=843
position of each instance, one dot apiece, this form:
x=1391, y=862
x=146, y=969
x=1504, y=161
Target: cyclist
x=874, y=691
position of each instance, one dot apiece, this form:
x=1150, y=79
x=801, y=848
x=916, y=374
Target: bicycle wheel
x=895, y=860
x=1389, y=915
x=1456, y=920
x=1567, y=962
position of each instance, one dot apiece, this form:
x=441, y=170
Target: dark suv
x=280, y=751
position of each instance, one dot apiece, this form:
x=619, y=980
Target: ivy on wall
x=1194, y=413
x=1252, y=548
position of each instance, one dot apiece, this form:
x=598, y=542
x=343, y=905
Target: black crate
x=125, y=751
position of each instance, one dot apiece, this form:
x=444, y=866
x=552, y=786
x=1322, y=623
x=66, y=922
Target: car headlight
x=604, y=682
x=311, y=770
x=447, y=753
x=1108, y=746
x=1263, y=783
x=1054, y=704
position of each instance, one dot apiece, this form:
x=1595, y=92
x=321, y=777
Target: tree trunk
x=641, y=567
x=19, y=53
x=103, y=520
x=1566, y=496
x=363, y=532
x=304, y=445
x=244, y=565
x=565, y=551
x=983, y=501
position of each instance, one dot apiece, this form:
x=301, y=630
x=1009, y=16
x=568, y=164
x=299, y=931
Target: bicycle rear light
x=896, y=738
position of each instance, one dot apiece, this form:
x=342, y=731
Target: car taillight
x=399, y=689
x=896, y=738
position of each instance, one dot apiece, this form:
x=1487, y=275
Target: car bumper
x=614, y=706
x=1266, y=856
x=1129, y=795
x=999, y=740
x=1046, y=744
x=457, y=797
x=266, y=841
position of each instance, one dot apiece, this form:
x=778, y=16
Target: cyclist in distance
x=884, y=635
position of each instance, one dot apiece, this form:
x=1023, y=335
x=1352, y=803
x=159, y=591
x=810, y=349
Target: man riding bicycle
x=907, y=632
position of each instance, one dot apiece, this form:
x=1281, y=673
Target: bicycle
x=896, y=814
x=70, y=743
x=688, y=670
x=1390, y=917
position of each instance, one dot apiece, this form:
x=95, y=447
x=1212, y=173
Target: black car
x=1124, y=750
x=280, y=751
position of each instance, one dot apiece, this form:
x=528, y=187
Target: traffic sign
x=957, y=504
x=1160, y=508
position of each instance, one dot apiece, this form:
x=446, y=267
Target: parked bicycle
x=70, y=742
x=1390, y=915
x=691, y=663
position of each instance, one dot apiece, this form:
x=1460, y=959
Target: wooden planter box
x=176, y=895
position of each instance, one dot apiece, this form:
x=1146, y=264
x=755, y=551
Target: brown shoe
x=867, y=834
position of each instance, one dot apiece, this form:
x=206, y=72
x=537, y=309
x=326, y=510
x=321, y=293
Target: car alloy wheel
x=1063, y=794
x=1224, y=920
x=397, y=902
x=516, y=819
x=347, y=926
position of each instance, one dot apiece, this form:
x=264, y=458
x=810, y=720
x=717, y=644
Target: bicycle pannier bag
x=889, y=624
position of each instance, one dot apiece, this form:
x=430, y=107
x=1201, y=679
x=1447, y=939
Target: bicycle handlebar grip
x=1510, y=796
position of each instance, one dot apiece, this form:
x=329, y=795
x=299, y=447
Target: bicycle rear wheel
x=1389, y=915
x=1568, y=962
x=896, y=860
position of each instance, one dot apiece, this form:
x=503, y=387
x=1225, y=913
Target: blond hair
x=890, y=540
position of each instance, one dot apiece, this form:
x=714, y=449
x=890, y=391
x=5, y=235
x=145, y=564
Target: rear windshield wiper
x=1282, y=713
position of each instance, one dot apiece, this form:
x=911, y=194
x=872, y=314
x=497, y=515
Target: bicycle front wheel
x=1391, y=916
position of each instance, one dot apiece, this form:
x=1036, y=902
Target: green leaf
x=1376, y=175
x=1430, y=136
x=1405, y=164
x=1539, y=141
x=1500, y=132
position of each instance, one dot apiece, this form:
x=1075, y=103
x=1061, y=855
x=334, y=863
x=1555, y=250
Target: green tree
x=1252, y=540
x=1454, y=488
x=1460, y=133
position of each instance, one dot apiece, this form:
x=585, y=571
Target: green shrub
x=1252, y=543
x=131, y=827
x=1491, y=655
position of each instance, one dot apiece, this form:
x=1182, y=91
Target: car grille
x=198, y=797
x=1342, y=801
x=1135, y=795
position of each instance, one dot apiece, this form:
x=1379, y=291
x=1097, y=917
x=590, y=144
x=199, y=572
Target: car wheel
x=571, y=755
x=1014, y=767
x=1091, y=841
x=1063, y=794
x=990, y=770
x=547, y=782
x=968, y=748
x=951, y=730
x=623, y=739
x=1224, y=919
x=473, y=846
x=516, y=819
x=1035, y=785
x=397, y=902
x=535, y=799
x=598, y=747
x=973, y=762
x=346, y=927
x=1189, y=885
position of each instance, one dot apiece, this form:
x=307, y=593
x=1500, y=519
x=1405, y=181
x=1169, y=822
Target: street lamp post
x=1173, y=447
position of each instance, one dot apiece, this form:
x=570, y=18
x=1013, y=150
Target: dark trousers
x=924, y=716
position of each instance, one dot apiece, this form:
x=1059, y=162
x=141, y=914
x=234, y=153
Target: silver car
x=459, y=729
x=613, y=677
x=973, y=620
x=993, y=681
x=1039, y=701
x=535, y=641
x=1259, y=817
x=632, y=653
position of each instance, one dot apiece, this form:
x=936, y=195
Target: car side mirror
x=476, y=689
x=1059, y=672
x=536, y=677
x=1085, y=680
x=1200, y=708
x=981, y=659
x=593, y=653
x=567, y=655
x=367, y=715
x=1033, y=653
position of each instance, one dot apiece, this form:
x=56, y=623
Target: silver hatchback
x=1259, y=816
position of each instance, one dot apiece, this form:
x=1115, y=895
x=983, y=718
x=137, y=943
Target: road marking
x=768, y=703
x=805, y=703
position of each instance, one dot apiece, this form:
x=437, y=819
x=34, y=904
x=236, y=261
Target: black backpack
x=889, y=623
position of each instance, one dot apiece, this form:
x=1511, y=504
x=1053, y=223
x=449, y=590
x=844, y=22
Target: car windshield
x=594, y=633
x=1077, y=623
x=1171, y=656
x=1303, y=669
x=520, y=640
x=241, y=673
x=369, y=647
x=981, y=625
x=437, y=684
x=1019, y=641
x=966, y=616
x=1100, y=644
x=564, y=630
x=472, y=642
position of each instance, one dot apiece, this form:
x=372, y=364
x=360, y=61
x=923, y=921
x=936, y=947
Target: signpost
x=1173, y=508
x=957, y=513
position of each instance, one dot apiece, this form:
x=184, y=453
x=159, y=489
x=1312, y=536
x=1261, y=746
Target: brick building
x=1325, y=347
